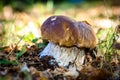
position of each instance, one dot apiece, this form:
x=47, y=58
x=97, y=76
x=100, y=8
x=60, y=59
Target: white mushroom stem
x=64, y=55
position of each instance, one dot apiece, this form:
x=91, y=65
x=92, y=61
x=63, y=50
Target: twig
x=10, y=53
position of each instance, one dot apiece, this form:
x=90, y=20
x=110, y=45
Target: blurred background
x=21, y=19
x=21, y=40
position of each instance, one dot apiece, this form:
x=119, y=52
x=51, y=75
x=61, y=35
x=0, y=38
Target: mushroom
x=67, y=39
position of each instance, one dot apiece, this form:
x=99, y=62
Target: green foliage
x=28, y=37
x=26, y=73
x=42, y=45
x=35, y=40
x=39, y=45
x=19, y=54
x=1, y=48
x=50, y=5
x=3, y=78
x=6, y=62
x=106, y=45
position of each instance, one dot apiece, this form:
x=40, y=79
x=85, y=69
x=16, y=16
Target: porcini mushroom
x=66, y=37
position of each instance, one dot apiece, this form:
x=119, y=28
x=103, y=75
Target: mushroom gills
x=64, y=55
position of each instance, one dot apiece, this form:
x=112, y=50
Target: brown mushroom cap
x=86, y=35
x=67, y=32
x=59, y=29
